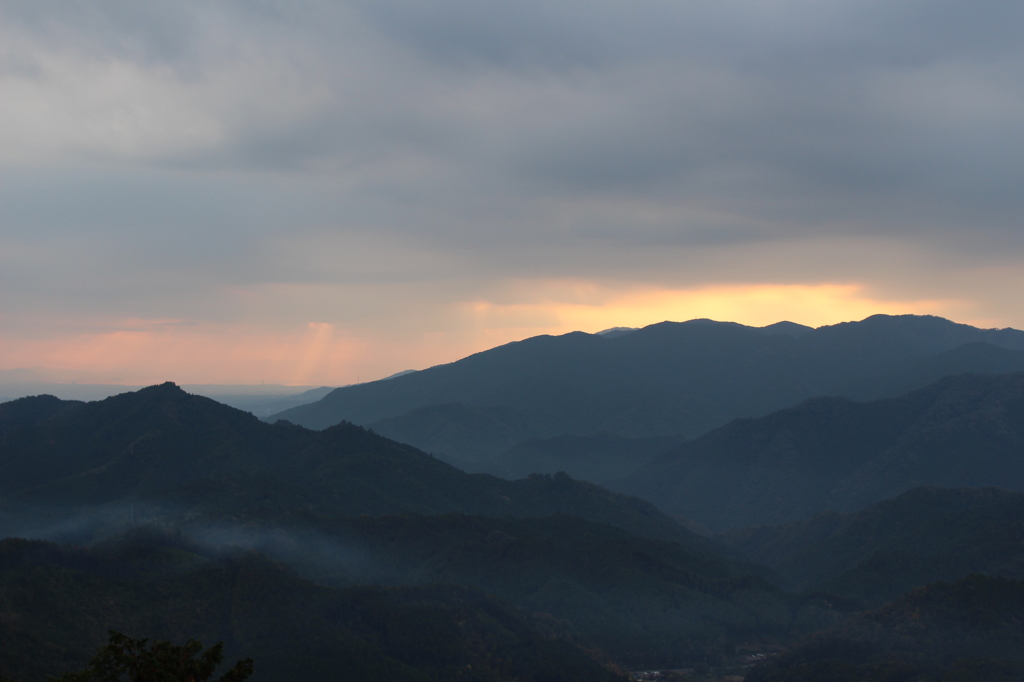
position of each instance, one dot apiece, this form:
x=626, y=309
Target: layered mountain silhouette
x=834, y=453
x=163, y=448
x=668, y=379
x=339, y=506
x=967, y=630
x=923, y=536
x=59, y=603
x=602, y=457
x=645, y=602
x=418, y=570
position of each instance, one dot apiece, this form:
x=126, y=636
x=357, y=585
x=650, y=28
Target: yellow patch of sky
x=598, y=308
x=322, y=353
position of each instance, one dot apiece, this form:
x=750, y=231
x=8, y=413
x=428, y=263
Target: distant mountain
x=967, y=630
x=833, y=453
x=612, y=568
x=13, y=390
x=789, y=328
x=260, y=399
x=486, y=432
x=59, y=602
x=263, y=404
x=602, y=458
x=970, y=358
x=509, y=444
x=165, y=451
x=667, y=379
x=615, y=331
x=922, y=536
x=399, y=374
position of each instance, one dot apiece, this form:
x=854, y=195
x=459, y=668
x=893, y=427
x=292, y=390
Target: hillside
x=58, y=602
x=668, y=379
x=162, y=451
x=602, y=457
x=967, y=630
x=613, y=569
x=643, y=602
x=923, y=536
x=30, y=411
x=833, y=453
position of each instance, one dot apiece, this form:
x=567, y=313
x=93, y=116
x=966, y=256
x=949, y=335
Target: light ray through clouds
x=323, y=191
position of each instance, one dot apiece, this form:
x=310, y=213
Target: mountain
x=58, y=603
x=486, y=432
x=785, y=327
x=162, y=451
x=643, y=602
x=260, y=404
x=346, y=507
x=666, y=379
x=970, y=358
x=833, y=453
x=602, y=457
x=923, y=536
x=260, y=399
x=616, y=331
x=31, y=411
x=967, y=630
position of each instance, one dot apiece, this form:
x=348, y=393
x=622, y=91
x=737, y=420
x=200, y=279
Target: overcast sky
x=320, y=192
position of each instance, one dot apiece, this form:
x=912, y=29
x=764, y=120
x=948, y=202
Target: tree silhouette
x=142, y=661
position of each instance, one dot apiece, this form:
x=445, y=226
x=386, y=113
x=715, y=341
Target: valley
x=770, y=503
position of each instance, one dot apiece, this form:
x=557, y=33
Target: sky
x=320, y=192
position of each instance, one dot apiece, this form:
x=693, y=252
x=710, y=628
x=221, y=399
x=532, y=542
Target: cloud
x=377, y=165
x=130, y=353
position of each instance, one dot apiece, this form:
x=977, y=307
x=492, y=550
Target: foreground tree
x=142, y=661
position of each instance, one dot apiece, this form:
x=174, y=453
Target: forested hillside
x=668, y=379
x=309, y=550
x=837, y=454
x=163, y=451
x=967, y=630
x=613, y=570
x=923, y=536
x=58, y=603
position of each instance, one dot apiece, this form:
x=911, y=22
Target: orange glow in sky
x=756, y=305
x=324, y=353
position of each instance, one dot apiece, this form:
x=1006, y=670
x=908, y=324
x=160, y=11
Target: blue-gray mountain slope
x=834, y=453
x=668, y=379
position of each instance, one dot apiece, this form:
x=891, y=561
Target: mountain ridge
x=835, y=453
x=965, y=630
x=923, y=536
x=165, y=448
x=667, y=379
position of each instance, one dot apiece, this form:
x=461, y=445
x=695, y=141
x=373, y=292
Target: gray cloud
x=158, y=155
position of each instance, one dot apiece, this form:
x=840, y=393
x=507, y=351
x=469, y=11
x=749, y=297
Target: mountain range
x=58, y=603
x=164, y=450
x=923, y=536
x=644, y=602
x=260, y=399
x=838, y=454
x=344, y=549
x=348, y=507
x=665, y=380
x=969, y=629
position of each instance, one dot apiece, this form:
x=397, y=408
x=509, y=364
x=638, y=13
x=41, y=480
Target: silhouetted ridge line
x=664, y=380
x=834, y=453
x=163, y=447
